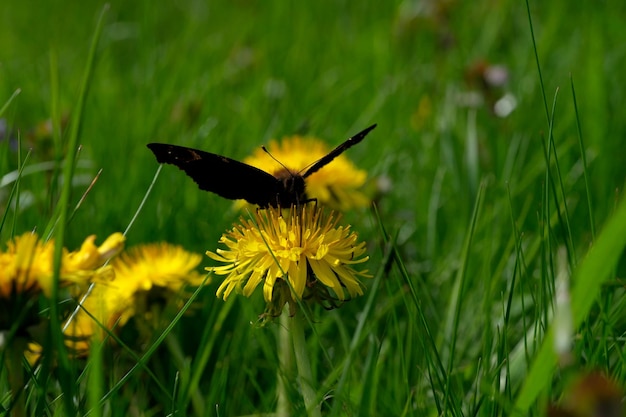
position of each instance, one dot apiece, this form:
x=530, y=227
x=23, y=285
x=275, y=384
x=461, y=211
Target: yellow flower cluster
x=140, y=270
x=27, y=264
x=26, y=272
x=153, y=267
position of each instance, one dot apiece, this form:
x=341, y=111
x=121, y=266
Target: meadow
x=495, y=231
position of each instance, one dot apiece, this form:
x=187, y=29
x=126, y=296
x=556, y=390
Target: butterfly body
x=235, y=180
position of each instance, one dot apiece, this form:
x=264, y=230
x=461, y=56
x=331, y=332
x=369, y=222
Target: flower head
x=140, y=274
x=27, y=265
x=302, y=253
x=337, y=185
x=27, y=271
x=91, y=256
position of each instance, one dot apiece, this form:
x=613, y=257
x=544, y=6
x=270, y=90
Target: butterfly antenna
x=280, y=163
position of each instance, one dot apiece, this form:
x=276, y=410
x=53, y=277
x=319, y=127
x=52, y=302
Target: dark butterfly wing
x=338, y=151
x=221, y=175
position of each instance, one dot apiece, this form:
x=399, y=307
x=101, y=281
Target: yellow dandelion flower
x=305, y=248
x=26, y=273
x=337, y=185
x=27, y=265
x=160, y=266
x=88, y=321
x=33, y=353
x=91, y=256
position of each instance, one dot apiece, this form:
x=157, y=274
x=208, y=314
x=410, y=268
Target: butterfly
x=235, y=180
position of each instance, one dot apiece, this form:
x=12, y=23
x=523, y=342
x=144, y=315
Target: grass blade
x=593, y=271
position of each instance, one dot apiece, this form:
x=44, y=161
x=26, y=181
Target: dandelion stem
x=14, y=355
x=296, y=325
x=285, y=370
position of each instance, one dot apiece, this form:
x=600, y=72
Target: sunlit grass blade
x=15, y=192
x=455, y=306
x=56, y=335
x=17, y=183
x=583, y=155
x=55, y=118
x=536, y=52
x=6, y=105
x=85, y=194
x=563, y=221
x=96, y=376
x=595, y=269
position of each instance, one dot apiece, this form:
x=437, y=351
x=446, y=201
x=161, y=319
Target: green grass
x=458, y=319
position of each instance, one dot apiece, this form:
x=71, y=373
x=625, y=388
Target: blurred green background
x=453, y=85
x=227, y=77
